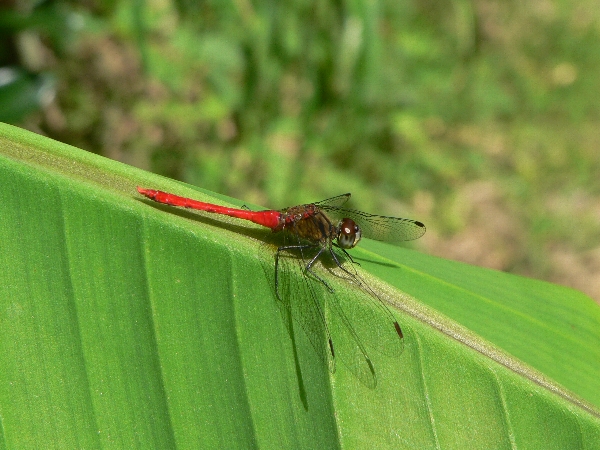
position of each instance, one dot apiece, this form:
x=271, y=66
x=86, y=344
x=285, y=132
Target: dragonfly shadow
x=218, y=221
x=301, y=387
x=374, y=261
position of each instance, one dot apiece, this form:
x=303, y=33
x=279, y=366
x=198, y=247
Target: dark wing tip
x=420, y=231
x=398, y=330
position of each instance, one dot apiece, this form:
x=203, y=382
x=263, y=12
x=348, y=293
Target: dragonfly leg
x=351, y=276
x=308, y=267
x=277, y=255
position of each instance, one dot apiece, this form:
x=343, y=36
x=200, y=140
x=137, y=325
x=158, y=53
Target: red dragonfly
x=317, y=229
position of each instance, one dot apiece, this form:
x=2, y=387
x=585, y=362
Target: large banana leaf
x=125, y=324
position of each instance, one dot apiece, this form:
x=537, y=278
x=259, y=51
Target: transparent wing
x=382, y=228
x=334, y=306
x=299, y=299
x=372, y=319
x=359, y=321
x=333, y=202
x=327, y=314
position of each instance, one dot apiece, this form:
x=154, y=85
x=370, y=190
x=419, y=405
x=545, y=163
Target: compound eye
x=349, y=233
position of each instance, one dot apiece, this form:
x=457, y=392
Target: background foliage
x=481, y=116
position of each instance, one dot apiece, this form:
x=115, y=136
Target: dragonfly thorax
x=348, y=233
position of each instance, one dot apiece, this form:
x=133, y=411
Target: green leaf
x=134, y=325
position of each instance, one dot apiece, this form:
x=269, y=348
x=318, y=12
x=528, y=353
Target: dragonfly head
x=348, y=233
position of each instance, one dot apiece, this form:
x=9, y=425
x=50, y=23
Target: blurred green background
x=479, y=118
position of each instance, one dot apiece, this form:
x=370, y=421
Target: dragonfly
x=315, y=231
